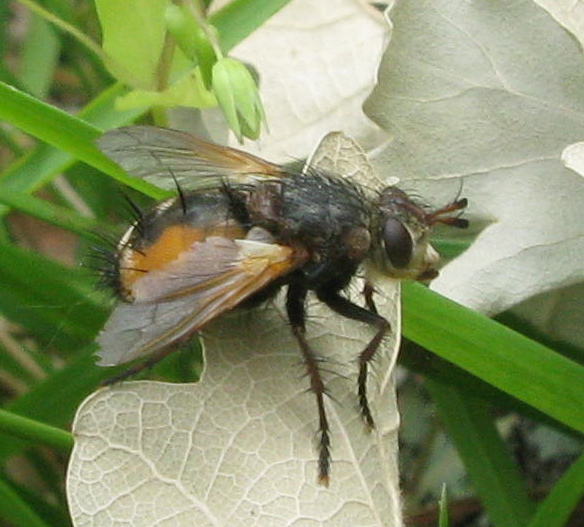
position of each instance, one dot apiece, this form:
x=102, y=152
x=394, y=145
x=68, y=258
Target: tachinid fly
x=240, y=229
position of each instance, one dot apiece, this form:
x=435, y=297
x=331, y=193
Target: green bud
x=238, y=96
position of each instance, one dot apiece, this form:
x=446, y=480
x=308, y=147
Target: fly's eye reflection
x=242, y=228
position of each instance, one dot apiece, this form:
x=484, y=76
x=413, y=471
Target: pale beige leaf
x=238, y=448
x=317, y=63
x=569, y=13
x=482, y=98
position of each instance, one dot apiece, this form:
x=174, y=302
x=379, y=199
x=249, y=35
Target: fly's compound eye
x=398, y=243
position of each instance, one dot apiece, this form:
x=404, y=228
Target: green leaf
x=192, y=40
x=188, y=91
x=133, y=39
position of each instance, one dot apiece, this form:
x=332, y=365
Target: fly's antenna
x=444, y=214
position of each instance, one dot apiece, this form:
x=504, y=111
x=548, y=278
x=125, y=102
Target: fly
x=239, y=230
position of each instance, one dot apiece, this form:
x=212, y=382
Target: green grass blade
x=14, y=510
x=509, y=361
x=425, y=363
x=63, y=25
x=45, y=162
x=35, y=431
x=556, y=509
x=239, y=18
x=443, y=507
x=39, y=59
x=469, y=423
x=54, y=401
x=60, y=306
x=63, y=131
x=53, y=214
x=53, y=126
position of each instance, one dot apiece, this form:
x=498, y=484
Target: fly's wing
x=339, y=154
x=166, y=157
x=172, y=303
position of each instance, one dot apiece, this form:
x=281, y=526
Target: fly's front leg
x=348, y=309
x=295, y=306
x=368, y=291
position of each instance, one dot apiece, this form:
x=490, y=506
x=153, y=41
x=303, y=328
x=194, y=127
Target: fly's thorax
x=323, y=208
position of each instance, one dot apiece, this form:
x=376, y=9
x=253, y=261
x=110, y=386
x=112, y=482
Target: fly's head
x=403, y=230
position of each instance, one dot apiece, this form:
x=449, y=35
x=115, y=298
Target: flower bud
x=238, y=96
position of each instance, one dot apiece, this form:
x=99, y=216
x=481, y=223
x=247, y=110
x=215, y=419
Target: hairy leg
x=295, y=306
x=346, y=308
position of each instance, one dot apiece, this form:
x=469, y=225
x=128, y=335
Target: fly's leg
x=368, y=291
x=348, y=309
x=295, y=306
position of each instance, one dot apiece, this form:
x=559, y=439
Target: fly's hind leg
x=348, y=309
x=295, y=306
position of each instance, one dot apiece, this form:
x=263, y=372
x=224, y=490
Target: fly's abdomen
x=162, y=235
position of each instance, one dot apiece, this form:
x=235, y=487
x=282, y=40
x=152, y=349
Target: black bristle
x=104, y=254
x=180, y=193
x=103, y=261
x=136, y=214
x=237, y=207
